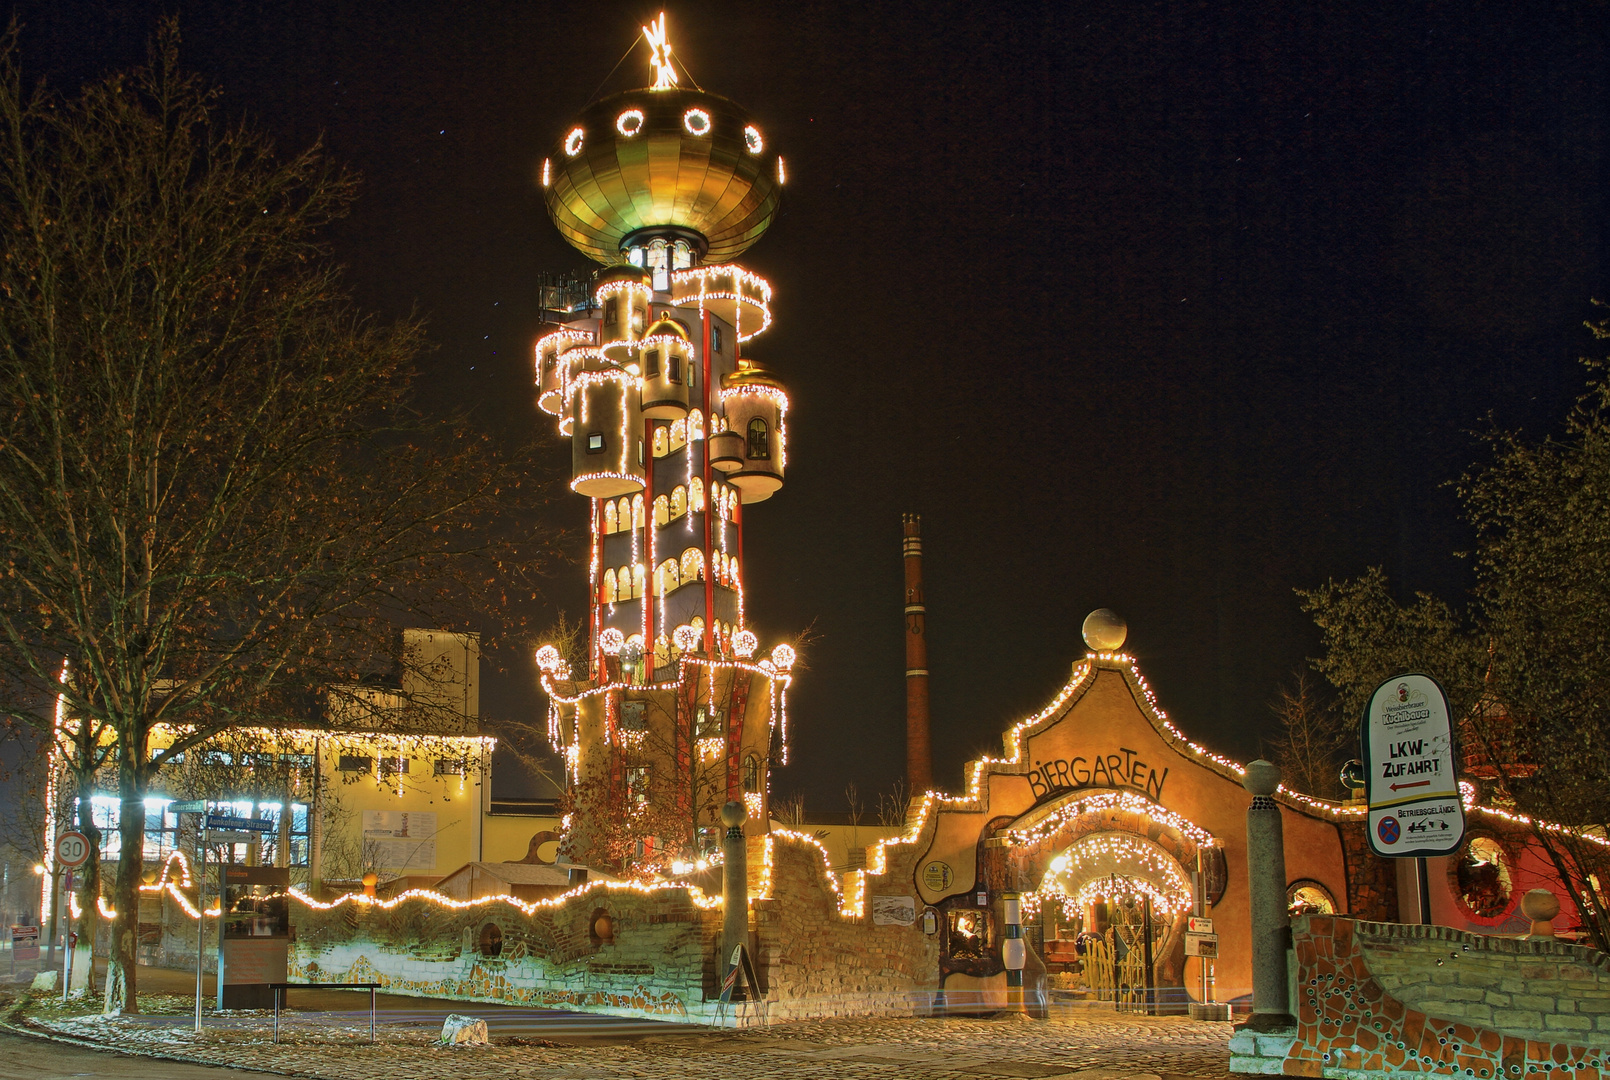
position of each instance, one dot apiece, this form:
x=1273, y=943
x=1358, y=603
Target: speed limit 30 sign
x=72, y=849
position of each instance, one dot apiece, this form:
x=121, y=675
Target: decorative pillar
x=919, y=752
x=1013, y=952
x=1266, y=878
x=734, y=884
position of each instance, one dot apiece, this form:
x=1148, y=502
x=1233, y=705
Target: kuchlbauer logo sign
x=1415, y=809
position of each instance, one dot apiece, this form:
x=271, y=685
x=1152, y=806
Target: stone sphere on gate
x=1105, y=630
x=733, y=814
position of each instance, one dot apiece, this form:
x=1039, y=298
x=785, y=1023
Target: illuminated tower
x=674, y=431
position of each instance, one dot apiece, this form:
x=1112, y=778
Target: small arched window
x=679, y=501
x=662, y=510
x=752, y=773
x=759, y=445
x=637, y=513
x=606, y=595
x=639, y=580
x=695, y=425
x=692, y=564
x=679, y=434
x=611, y=522
x=667, y=578
x=661, y=447
x=696, y=495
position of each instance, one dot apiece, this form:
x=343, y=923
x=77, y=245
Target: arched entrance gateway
x=1108, y=880
x=1110, y=825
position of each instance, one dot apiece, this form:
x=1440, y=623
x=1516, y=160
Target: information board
x=1411, y=779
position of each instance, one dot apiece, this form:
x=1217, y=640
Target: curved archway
x=1107, y=880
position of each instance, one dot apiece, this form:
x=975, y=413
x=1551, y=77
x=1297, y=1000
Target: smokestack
x=919, y=749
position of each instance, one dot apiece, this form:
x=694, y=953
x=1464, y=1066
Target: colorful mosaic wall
x=653, y=963
x=1491, y=1007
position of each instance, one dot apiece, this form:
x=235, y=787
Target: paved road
x=37, y=1059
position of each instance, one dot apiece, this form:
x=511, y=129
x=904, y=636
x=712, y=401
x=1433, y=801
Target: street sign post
x=1411, y=778
x=1205, y=946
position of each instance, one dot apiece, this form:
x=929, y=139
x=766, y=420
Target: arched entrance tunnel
x=1108, y=880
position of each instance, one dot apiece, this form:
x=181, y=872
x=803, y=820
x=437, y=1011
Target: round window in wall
x=1481, y=879
x=491, y=942
x=1309, y=898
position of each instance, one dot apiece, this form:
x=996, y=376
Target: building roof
x=516, y=873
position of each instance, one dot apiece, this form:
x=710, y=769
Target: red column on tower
x=919, y=750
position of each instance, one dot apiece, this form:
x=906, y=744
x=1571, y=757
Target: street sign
x=232, y=837
x=24, y=943
x=239, y=824
x=72, y=849
x=1411, y=782
x=1198, y=924
x=189, y=806
x=1205, y=946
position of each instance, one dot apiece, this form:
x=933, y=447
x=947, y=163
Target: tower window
x=675, y=372
x=715, y=339
x=651, y=364
x=595, y=442
x=612, y=311
x=752, y=773
x=759, y=448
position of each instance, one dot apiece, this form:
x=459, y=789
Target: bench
x=279, y=996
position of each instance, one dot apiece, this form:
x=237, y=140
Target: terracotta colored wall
x=1385, y=999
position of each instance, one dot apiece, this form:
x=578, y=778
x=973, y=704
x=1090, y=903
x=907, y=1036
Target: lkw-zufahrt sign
x=1411, y=783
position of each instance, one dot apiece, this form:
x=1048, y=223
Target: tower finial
x=660, y=42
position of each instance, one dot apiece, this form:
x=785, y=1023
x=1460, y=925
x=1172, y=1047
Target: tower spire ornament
x=660, y=60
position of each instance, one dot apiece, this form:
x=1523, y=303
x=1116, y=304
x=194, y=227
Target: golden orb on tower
x=663, y=163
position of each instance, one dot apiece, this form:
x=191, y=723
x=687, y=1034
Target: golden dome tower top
x=665, y=163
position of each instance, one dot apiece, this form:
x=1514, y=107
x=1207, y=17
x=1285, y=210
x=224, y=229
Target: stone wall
x=653, y=966
x=817, y=962
x=814, y=954
x=1386, y=999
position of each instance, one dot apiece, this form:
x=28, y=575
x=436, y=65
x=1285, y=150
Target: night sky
x=1170, y=308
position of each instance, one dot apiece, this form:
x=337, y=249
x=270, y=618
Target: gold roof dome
x=667, y=327
x=749, y=374
x=665, y=160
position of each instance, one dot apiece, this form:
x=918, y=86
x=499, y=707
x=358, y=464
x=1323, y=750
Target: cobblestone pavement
x=1075, y=1044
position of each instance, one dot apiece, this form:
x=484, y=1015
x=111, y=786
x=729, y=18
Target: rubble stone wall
x=820, y=963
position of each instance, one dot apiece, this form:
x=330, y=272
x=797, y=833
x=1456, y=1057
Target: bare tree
x=214, y=491
x=893, y=804
x=1312, y=741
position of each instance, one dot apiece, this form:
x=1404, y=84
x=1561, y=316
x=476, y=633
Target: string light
x=630, y=122
x=547, y=171
x=724, y=281
x=752, y=139
x=573, y=142
x=696, y=122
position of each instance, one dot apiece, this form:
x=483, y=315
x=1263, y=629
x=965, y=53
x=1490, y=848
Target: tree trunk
x=88, y=877
x=121, y=972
